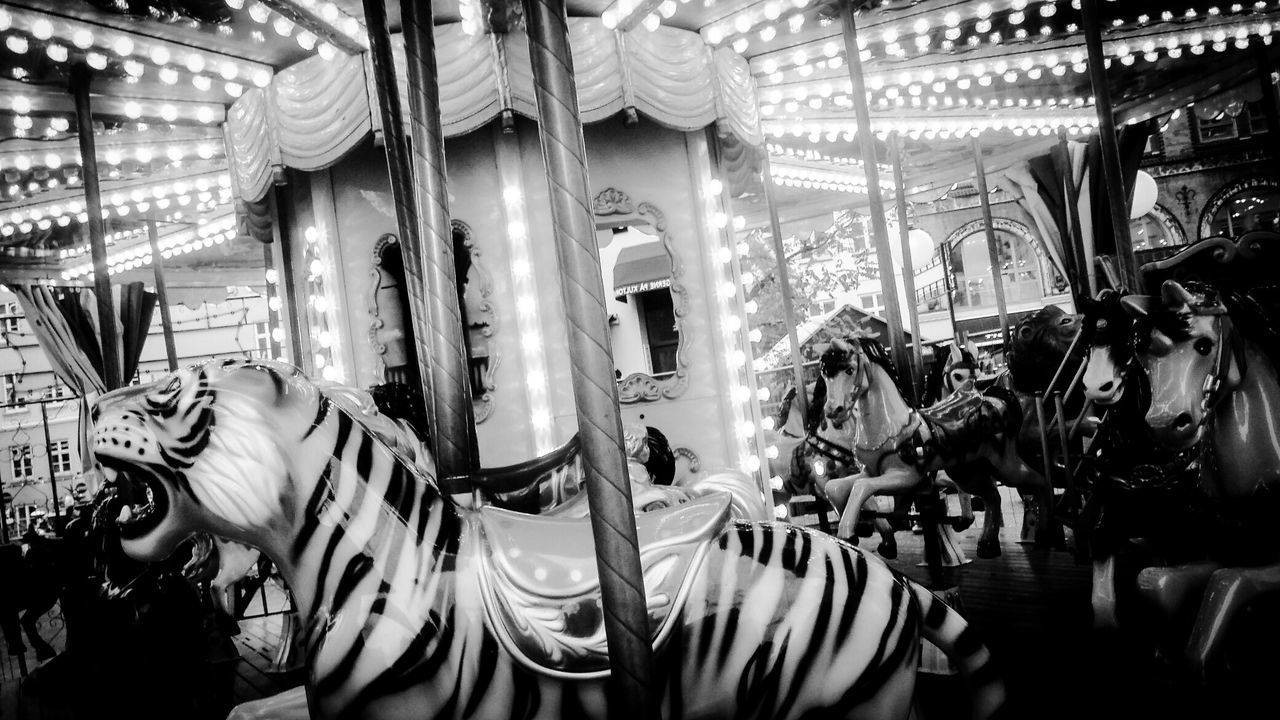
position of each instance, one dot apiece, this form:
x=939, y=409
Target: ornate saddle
x=541, y=590
x=959, y=422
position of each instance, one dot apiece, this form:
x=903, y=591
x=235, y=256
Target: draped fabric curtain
x=1039, y=187
x=65, y=323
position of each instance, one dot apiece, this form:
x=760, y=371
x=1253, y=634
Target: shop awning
x=640, y=268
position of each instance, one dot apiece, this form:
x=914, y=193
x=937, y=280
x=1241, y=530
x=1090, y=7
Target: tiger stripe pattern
x=781, y=622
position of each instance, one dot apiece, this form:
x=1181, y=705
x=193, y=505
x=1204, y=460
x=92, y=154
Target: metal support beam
x=48, y=456
x=401, y=171
x=784, y=286
x=80, y=77
x=880, y=228
x=162, y=295
x=1083, y=282
x=454, y=432
x=632, y=690
x=1117, y=194
x=908, y=271
x=993, y=250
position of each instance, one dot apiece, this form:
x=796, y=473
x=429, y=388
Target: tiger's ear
x=1140, y=306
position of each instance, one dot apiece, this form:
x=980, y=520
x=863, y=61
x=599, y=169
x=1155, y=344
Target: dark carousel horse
x=1136, y=489
x=32, y=583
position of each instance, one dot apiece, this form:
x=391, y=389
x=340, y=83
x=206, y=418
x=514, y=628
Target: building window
x=21, y=460
x=10, y=315
x=658, y=322
x=1151, y=232
x=261, y=340
x=873, y=301
x=61, y=456
x=14, y=400
x=1255, y=208
x=971, y=266
x=1216, y=129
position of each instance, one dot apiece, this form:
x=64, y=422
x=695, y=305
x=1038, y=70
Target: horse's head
x=203, y=449
x=845, y=370
x=961, y=371
x=1189, y=358
x=1109, y=330
x=1040, y=342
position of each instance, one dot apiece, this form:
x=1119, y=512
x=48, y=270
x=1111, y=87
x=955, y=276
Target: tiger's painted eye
x=1204, y=346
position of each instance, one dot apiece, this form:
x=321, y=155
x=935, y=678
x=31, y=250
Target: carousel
x=589, y=341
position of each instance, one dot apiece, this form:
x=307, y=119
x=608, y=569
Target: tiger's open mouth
x=138, y=494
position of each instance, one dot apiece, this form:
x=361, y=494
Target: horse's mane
x=874, y=351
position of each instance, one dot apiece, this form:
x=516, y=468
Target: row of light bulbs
x=348, y=25
x=210, y=181
x=537, y=382
x=99, y=46
x=732, y=325
x=207, y=234
x=173, y=152
x=814, y=178
x=647, y=14
x=274, y=315
x=829, y=55
x=832, y=130
x=203, y=202
x=109, y=239
x=748, y=19
x=327, y=359
x=893, y=99
x=169, y=112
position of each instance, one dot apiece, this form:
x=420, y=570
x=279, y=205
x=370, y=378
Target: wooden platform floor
x=1031, y=607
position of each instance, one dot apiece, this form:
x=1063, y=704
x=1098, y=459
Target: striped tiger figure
x=777, y=622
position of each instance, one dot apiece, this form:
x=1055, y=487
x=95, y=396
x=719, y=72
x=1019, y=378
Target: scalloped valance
x=317, y=110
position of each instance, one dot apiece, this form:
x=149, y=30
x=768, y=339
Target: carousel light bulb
x=169, y=113
x=327, y=51
x=123, y=46
x=97, y=61
x=42, y=29
x=259, y=12
x=275, y=303
x=52, y=160
x=17, y=44
x=283, y=26
x=56, y=52
x=262, y=78
x=205, y=114
x=134, y=68
x=168, y=75
x=6, y=20
x=132, y=110
x=160, y=55
x=306, y=40
x=234, y=89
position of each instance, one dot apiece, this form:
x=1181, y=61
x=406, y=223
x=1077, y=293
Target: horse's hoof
x=888, y=551
x=988, y=550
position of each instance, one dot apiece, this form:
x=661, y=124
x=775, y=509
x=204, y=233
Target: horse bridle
x=1210, y=395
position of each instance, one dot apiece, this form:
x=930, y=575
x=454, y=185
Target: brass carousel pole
x=162, y=295
x=401, y=171
x=993, y=250
x=867, y=147
x=632, y=690
x=97, y=241
x=908, y=271
x=454, y=431
x=784, y=285
x=1117, y=194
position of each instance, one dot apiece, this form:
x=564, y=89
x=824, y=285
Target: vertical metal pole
x=285, y=286
x=867, y=147
x=948, y=281
x=162, y=295
x=454, y=432
x=908, y=267
x=1084, y=281
x=632, y=690
x=1117, y=194
x=97, y=242
x=993, y=250
x=48, y=456
x=784, y=284
x=268, y=264
x=401, y=171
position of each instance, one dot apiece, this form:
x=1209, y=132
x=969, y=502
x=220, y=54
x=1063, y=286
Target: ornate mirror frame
x=484, y=324
x=613, y=208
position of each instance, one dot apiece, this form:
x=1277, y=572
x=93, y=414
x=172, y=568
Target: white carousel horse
x=968, y=435
x=412, y=604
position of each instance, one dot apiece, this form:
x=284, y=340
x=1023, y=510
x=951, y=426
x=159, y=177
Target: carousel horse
x=810, y=450
x=968, y=435
x=1210, y=359
x=1138, y=489
x=413, y=605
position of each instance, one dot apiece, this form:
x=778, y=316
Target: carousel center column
x=632, y=692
